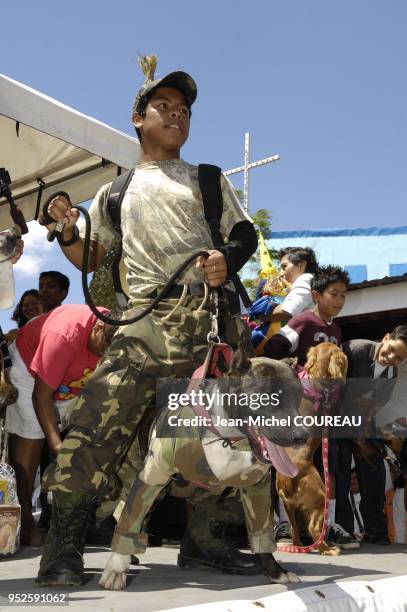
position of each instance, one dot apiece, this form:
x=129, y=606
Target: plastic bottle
x=6, y=285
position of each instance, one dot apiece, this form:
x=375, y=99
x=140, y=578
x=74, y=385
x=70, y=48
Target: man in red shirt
x=52, y=358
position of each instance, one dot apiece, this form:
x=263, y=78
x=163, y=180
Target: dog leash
x=325, y=406
x=209, y=369
x=217, y=351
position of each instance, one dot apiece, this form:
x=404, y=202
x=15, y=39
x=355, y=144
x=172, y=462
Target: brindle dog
x=244, y=464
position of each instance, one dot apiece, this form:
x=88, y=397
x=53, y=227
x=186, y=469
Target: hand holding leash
x=214, y=268
x=58, y=214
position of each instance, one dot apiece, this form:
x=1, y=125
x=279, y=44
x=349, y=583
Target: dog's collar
x=325, y=398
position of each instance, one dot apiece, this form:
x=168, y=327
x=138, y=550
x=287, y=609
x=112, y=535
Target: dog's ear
x=311, y=359
x=338, y=365
x=240, y=361
x=291, y=361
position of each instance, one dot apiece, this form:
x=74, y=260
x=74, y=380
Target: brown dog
x=304, y=495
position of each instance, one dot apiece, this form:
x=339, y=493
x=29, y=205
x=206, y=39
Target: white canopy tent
x=40, y=138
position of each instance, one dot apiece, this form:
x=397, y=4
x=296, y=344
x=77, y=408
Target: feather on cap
x=179, y=80
x=148, y=65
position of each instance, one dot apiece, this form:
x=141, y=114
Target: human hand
x=284, y=281
x=55, y=446
x=214, y=268
x=60, y=209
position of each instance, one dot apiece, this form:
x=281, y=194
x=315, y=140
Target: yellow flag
x=273, y=287
x=267, y=268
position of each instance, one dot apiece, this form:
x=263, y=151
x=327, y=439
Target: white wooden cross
x=248, y=166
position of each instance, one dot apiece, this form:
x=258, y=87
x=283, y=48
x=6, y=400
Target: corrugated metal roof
x=379, y=282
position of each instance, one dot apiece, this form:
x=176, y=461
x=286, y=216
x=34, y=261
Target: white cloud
x=37, y=251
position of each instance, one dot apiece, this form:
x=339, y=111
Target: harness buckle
x=213, y=335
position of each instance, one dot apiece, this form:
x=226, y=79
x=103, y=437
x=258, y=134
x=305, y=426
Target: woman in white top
x=298, y=265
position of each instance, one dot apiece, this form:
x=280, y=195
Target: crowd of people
x=84, y=389
x=54, y=356
x=307, y=326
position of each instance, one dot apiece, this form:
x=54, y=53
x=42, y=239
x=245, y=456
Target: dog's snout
x=300, y=435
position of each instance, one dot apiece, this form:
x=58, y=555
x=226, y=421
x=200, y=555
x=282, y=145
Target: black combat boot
x=216, y=550
x=62, y=559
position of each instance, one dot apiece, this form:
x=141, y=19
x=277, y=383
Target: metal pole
x=247, y=167
x=246, y=171
x=261, y=162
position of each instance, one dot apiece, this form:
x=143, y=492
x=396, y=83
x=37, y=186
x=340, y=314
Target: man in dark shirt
x=371, y=363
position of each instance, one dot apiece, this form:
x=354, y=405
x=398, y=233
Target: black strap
x=115, y=198
x=209, y=177
x=209, y=184
x=113, y=210
x=41, y=186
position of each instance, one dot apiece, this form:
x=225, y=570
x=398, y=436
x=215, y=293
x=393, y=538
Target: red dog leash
x=306, y=549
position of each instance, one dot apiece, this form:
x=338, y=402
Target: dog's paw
x=283, y=577
x=274, y=572
x=113, y=581
x=331, y=551
x=114, y=575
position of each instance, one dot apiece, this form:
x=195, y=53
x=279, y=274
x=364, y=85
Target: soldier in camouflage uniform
x=162, y=222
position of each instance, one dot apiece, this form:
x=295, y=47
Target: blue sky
x=320, y=83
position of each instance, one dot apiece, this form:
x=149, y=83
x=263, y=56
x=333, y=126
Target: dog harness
x=265, y=451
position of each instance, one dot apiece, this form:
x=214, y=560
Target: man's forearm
x=74, y=252
x=46, y=415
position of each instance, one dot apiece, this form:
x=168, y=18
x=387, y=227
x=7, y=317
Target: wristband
x=72, y=240
x=46, y=218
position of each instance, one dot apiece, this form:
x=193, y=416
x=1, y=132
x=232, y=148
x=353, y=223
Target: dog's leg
x=295, y=532
x=259, y=514
x=274, y=572
x=288, y=493
x=128, y=538
x=315, y=525
x=114, y=575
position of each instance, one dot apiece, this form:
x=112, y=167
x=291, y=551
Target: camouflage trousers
x=105, y=418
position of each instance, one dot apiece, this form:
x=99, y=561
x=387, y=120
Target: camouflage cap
x=178, y=80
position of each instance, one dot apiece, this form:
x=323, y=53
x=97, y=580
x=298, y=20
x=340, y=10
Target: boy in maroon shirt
x=312, y=327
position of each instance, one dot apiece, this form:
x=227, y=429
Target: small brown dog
x=304, y=495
